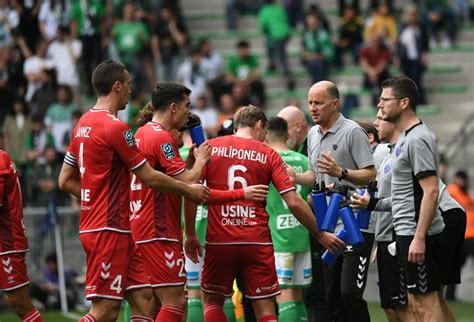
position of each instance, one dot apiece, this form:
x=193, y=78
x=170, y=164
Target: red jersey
x=156, y=215
x=236, y=163
x=104, y=150
x=12, y=231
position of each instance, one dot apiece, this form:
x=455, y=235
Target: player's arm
x=429, y=202
x=306, y=178
x=202, y=157
x=163, y=183
x=192, y=246
x=69, y=180
x=301, y=210
x=257, y=193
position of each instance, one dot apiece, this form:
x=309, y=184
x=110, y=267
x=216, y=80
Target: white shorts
x=293, y=269
x=194, y=272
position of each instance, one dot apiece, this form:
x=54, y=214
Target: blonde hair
x=146, y=114
x=248, y=116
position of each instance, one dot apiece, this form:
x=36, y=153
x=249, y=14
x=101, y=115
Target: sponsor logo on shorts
x=167, y=149
x=266, y=288
x=128, y=135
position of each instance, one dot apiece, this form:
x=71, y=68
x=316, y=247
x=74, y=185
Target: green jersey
x=130, y=39
x=288, y=234
x=88, y=15
x=201, y=214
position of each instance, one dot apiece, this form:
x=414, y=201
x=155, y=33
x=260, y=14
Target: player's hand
x=358, y=201
x=331, y=242
x=203, y=153
x=416, y=252
x=291, y=172
x=192, y=248
x=257, y=192
x=328, y=165
x=198, y=193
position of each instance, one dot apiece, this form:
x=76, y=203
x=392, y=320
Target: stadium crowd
x=52, y=65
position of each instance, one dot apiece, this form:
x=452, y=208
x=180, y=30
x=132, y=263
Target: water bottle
x=320, y=206
x=332, y=214
x=363, y=215
x=329, y=258
x=350, y=225
x=196, y=130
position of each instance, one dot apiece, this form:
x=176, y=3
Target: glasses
x=386, y=99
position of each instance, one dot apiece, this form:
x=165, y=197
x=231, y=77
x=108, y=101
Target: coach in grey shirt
x=338, y=151
x=416, y=219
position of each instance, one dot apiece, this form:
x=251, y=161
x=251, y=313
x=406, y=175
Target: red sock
x=32, y=316
x=169, y=314
x=214, y=313
x=268, y=318
x=140, y=318
x=88, y=318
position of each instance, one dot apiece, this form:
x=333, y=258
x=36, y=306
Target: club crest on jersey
x=387, y=168
x=398, y=151
x=128, y=135
x=167, y=149
x=334, y=147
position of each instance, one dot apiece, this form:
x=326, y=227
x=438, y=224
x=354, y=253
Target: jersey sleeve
x=121, y=139
x=167, y=154
x=422, y=158
x=360, y=149
x=280, y=178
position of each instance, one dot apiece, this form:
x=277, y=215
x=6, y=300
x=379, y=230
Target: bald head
x=323, y=104
x=297, y=125
x=329, y=87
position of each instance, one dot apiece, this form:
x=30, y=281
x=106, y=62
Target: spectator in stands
x=344, y=3
x=350, y=35
x=9, y=19
x=45, y=95
x=168, y=42
x=29, y=25
x=59, y=114
x=213, y=69
x=208, y=115
x=412, y=49
x=76, y=115
x=88, y=24
x=241, y=94
x=16, y=129
x=34, y=69
x=227, y=109
x=463, y=11
x=232, y=7
x=131, y=37
x=375, y=59
x=295, y=11
x=437, y=14
x=190, y=75
x=459, y=190
x=48, y=292
x=6, y=92
x=52, y=14
x=243, y=68
x=64, y=53
x=273, y=22
x=37, y=141
x=44, y=179
x=314, y=9
x=318, y=49
x=19, y=51
x=382, y=23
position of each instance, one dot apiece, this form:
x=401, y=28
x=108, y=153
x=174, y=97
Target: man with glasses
x=417, y=220
x=338, y=152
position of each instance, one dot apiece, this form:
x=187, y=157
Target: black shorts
x=425, y=277
x=392, y=286
x=452, y=246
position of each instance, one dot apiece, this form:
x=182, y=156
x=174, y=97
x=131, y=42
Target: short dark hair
x=106, y=74
x=248, y=116
x=370, y=129
x=166, y=93
x=277, y=126
x=403, y=86
x=243, y=44
x=462, y=174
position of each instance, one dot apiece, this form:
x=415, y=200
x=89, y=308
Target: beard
x=392, y=118
x=291, y=142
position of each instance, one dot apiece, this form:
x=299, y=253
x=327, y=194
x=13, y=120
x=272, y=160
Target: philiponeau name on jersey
x=241, y=154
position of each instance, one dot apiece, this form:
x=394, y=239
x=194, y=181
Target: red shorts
x=254, y=263
x=164, y=262
x=114, y=265
x=13, y=273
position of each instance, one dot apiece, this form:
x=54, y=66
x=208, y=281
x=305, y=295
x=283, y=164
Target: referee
x=338, y=149
x=417, y=221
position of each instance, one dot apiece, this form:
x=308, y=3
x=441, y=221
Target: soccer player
x=14, y=279
x=96, y=170
x=338, y=152
x=238, y=239
x=417, y=221
x=290, y=238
